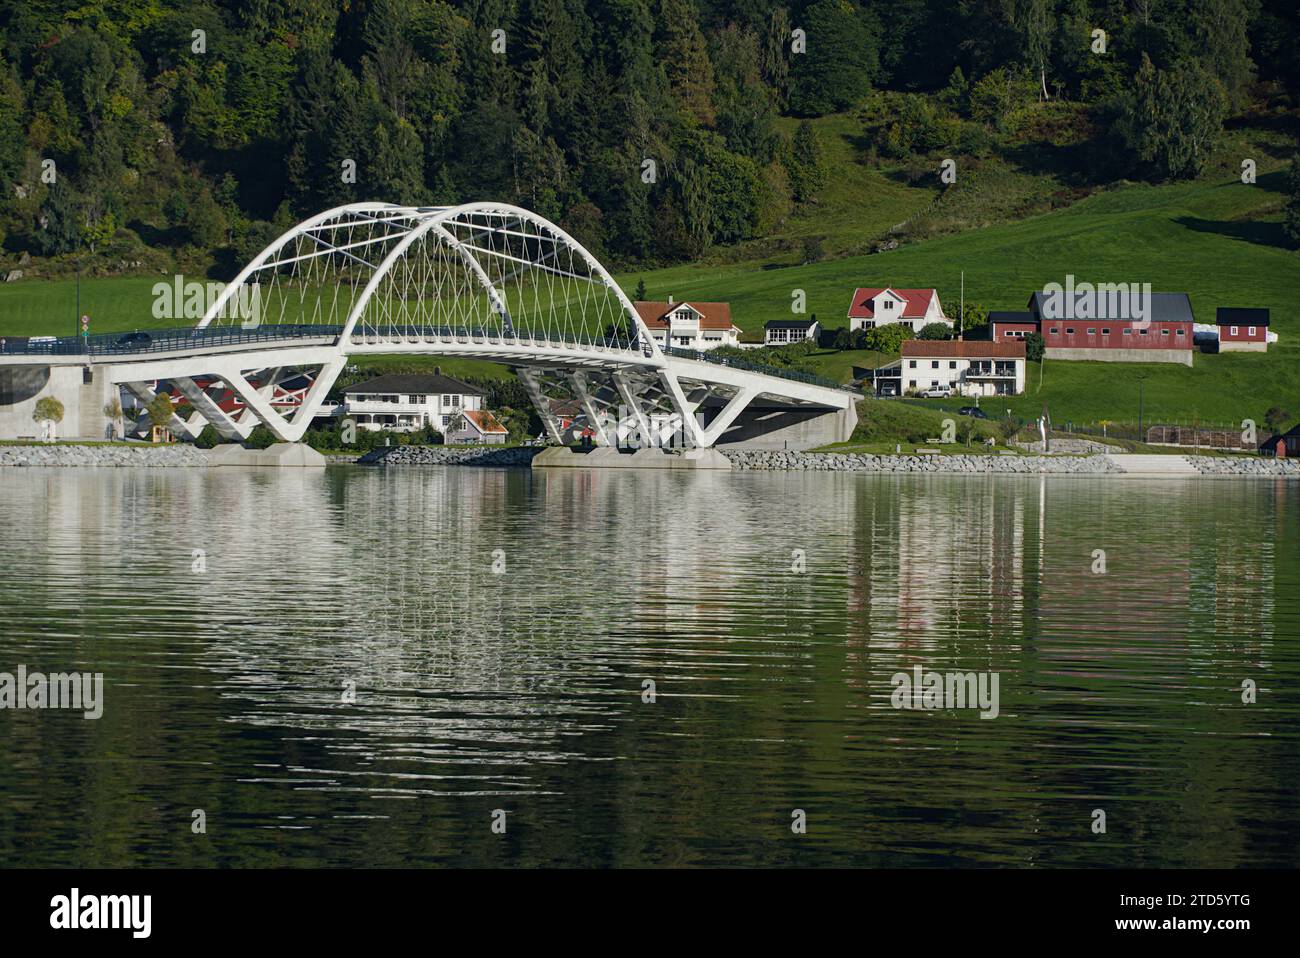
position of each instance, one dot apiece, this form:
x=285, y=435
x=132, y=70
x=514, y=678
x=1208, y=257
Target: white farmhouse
x=404, y=403
x=873, y=306
x=966, y=367
x=693, y=325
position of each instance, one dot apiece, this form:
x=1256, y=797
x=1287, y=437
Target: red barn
x=1104, y=333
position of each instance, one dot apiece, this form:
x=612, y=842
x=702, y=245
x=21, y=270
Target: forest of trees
x=203, y=128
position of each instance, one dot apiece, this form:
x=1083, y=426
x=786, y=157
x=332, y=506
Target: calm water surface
x=521, y=688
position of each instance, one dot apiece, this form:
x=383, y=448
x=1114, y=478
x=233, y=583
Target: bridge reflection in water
x=523, y=688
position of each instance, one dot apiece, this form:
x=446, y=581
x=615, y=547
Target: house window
x=1164, y=332
x=1142, y=331
x=1181, y=333
x=1105, y=331
x=952, y=364
x=1250, y=331
x=911, y=364
x=1055, y=330
x=1128, y=332
x=1069, y=330
x=446, y=401
x=911, y=383
x=1092, y=331
x=445, y=421
x=416, y=400
x=934, y=364
x=1232, y=330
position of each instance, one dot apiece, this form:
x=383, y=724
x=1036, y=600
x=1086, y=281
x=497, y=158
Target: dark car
x=133, y=340
x=975, y=412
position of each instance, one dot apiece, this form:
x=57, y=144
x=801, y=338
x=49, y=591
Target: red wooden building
x=1104, y=334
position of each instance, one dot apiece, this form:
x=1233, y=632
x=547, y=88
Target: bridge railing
x=514, y=335
x=794, y=375
x=160, y=340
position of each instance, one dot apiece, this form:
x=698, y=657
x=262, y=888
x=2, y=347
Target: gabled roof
x=1011, y=316
x=483, y=421
x=915, y=301
x=712, y=315
x=423, y=384
x=1237, y=316
x=962, y=349
x=790, y=324
x=1165, y=307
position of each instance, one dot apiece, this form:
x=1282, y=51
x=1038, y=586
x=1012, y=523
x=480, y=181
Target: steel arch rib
x=423, y=220
x=288, y=236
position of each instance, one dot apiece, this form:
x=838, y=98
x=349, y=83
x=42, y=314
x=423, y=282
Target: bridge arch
x=487, y=268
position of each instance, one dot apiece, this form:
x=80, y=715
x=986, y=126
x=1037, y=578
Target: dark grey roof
x=1237, y=316
x=1165, y=307
x=1011, y=316
x=414, y=383
x=789, y=324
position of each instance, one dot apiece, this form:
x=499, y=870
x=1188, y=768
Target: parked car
x=975, y=412
x=937, y=392
x=133, y=340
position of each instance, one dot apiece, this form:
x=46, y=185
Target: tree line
x=650, y=129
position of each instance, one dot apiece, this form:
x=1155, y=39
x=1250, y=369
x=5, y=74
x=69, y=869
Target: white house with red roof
x=689, y=325
x=876, y=306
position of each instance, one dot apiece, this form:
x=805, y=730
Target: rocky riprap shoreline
x=1244, y=466
x=450, y=456
x=125, y=454
x=857, y=462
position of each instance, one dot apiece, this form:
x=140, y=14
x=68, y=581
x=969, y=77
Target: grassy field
x=1219, y=240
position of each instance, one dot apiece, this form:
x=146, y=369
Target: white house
x=872, y=307
x=967, y=367
x=693, y=325
x=780, y=332
x=404, y=403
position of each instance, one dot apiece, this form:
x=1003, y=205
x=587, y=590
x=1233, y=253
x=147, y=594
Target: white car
x=937, y=392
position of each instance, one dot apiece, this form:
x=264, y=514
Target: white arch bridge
x=481, y=280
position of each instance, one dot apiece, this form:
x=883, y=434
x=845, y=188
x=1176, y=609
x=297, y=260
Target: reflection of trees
x=523, y=689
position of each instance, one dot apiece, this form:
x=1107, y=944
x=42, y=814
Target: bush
x=935, y=331
x=208, y=437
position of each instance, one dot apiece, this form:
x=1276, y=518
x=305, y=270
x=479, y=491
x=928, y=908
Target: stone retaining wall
x=1244, y=466
x=450, y=456
x=125, y=454
x=836, y=462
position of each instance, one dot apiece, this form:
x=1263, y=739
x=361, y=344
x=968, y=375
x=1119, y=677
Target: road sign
x=85, y=325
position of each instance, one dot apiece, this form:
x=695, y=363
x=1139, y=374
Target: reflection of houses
x=873, y=306
x=779, y=332
x=403, y=402
x=967, y=367
x=693, y=325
